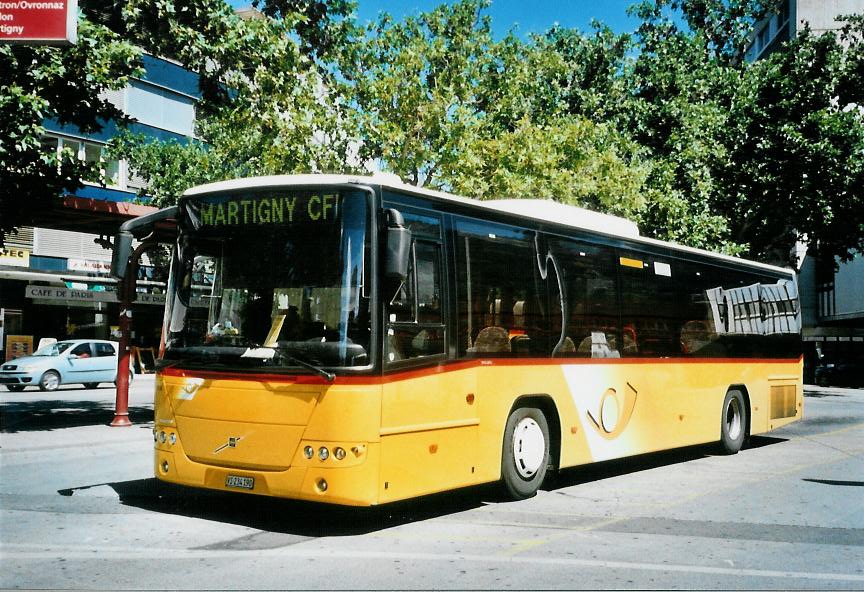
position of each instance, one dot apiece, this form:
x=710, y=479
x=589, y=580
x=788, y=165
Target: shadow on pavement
x=643, y=462
x=43, y=415
x=634, y=464
x=285, y=516
x=307, y=519
x=834, y=482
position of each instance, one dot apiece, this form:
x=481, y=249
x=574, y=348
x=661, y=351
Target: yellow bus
x=355, y=340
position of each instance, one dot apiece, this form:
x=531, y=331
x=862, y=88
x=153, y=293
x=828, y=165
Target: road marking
x=42, y=553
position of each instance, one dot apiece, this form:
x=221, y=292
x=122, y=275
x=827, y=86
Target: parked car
x=73, y=361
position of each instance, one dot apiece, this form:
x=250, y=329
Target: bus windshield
x=270, y=282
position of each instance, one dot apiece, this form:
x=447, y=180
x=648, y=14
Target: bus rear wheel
x=525, y=457
x=733, y=423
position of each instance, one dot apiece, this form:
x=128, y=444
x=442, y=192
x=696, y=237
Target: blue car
x=73, y=361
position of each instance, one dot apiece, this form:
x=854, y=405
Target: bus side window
x=649, y=305
x=590, y=288
x=502, y=299
x=416, y=328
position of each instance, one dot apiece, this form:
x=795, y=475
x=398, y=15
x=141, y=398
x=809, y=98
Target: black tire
x=15, y=388
x=50, y=381
x=525, y=458
x=733, y=422
x=91, y=385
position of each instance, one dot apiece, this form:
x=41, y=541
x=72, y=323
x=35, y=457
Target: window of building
x=162, y=108
x=92, y=152
x=764, y=37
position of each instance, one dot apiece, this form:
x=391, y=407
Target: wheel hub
x=733, y=419
x=529, y=447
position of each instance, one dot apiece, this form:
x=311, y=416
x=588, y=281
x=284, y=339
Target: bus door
x=428, y=421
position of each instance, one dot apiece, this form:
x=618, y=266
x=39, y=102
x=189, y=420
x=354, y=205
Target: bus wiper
x=269, y=351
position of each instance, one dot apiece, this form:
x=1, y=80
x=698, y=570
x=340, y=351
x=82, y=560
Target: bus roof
x=543, y=210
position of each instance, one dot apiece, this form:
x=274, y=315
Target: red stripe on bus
x=457, y=366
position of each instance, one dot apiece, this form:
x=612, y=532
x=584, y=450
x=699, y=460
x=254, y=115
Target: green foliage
x=415, y=85
x=797, y=149
x=442, y=104
x=669, y=126
x=762, y=155
x=572, y=161
x=63, y=83
x=268, y=107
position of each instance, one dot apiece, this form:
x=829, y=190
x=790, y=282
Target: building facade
x=54, y=279
x=831, y=291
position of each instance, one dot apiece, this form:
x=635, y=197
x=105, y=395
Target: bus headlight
x=309, y=452
x=323, y=453
x=339, y=453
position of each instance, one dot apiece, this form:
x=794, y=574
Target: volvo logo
x=231, y=443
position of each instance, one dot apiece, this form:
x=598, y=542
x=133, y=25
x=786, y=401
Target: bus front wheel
x=733, y=423
x=525, y=457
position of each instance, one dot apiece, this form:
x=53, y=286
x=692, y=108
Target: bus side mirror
x=121, y=254
x=397, y=248
x=136, y=228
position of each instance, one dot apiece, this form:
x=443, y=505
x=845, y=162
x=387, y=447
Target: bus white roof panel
x=544, y=210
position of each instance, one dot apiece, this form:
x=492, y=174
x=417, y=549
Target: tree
x=796, y=166
x=443, y=105
x=63, y=83
x=572, y=161
x=680, y=94
x=757, y=155
x=415, y=85
x=269, y=106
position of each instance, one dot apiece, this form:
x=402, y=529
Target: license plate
x=240, y=482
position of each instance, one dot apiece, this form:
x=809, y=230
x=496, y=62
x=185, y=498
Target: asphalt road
x=79, y=509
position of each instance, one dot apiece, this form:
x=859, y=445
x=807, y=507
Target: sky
x=529, y=16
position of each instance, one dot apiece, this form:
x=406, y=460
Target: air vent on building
x=68, y=245
x=22, y=238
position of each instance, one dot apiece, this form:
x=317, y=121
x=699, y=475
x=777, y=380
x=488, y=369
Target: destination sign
x=285, y=209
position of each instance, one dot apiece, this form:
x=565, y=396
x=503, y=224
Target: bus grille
x=783, y=401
